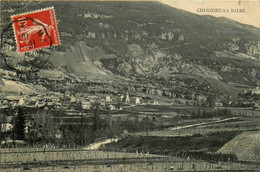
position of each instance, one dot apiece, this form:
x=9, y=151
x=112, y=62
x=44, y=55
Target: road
x=201, y=124
x=95, y=146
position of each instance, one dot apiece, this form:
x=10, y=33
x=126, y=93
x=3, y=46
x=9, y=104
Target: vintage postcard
x=130, y=86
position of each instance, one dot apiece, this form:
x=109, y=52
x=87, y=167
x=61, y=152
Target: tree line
x=41, y=127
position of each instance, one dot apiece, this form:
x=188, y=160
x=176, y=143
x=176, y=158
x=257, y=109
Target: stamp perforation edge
x=30, y=12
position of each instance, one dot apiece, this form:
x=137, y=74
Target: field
x=95, y=161
x=196, y=134
x=144, y=167
x=160, y=151
x=189, y=109
x=239, y=124
x=39, y=155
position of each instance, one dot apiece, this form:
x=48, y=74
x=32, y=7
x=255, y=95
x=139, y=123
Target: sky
x=251, y=15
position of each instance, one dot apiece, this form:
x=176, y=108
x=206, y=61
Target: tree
x=20, y=125
x=96, y=122
x=43, y=128
x=2, y=120
x=70, y=135
x=211, y=100
x=199, y=112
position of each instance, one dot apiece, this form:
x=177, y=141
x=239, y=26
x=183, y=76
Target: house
x=55, y=99
x=71, y=112
x=49, y=103
x=111, y=107
x=102, y=104
x=58, y=134
x=255, y=91
x=32, y=103
x=57, y=105
x=119, y=107
x=67, y=93
x=27, y=126
x=12, y=100
x=73, y=99
x=167, y=93
x=80, y=99
x=93, y=99
x=255, y=105
x=86, y=105
x=155, y=102
x=108, y=98
x=137, y=100
x=4, y=101
x=121, y=98
x=218, y=104
x=57, y=94
x=41, y=103
x=7, y=125
x=87, y=15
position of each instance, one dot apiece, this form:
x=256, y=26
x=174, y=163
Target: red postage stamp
x=35, y=30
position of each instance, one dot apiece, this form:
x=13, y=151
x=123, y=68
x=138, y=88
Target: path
x=95, y=146
x=200, y=124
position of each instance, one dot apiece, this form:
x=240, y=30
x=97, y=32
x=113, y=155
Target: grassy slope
x=9, y=86
x=245, y=146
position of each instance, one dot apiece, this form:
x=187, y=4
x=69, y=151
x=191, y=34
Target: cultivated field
x=39, y=155
x=100, y=161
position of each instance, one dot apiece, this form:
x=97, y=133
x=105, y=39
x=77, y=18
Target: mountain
x=118, y=40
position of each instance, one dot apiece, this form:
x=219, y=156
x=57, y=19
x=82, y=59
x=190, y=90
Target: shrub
x=208, y=156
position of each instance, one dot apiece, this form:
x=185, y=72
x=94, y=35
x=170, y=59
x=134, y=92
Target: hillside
x=245, y=146
x=9, y=86
x=103, y=40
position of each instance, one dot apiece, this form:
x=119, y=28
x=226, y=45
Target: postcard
x=130, y=86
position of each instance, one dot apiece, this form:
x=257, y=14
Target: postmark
x=35, y=30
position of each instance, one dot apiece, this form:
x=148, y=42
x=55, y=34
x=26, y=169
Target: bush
x=208, y=156
x=212, y=113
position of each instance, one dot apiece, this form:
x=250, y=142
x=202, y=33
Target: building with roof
x=108, y=98
x=86, y=105
x=6, y=124
x=255, y=91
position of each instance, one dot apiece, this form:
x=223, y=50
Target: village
x=84, y=96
